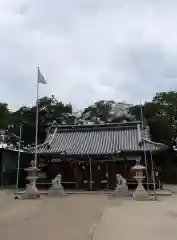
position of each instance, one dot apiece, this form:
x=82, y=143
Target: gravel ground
x=65, y=218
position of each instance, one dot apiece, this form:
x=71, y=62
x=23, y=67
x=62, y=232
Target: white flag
x=41, y=78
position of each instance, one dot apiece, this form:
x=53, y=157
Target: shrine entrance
x=94, y=175
x=91, y=175
x=100, y=175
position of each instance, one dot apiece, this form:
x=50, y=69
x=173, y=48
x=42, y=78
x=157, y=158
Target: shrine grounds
x=79, y=216
x=66, y=218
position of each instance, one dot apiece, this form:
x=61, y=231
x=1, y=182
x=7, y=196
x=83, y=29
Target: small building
x=9, y=163
x=89, y=156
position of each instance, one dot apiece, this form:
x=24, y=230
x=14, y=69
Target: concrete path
x=130, y=220
x=67, y=218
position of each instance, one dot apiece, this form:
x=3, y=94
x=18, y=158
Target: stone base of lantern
x=31, y=189
x=31, y=192
x=140, y=193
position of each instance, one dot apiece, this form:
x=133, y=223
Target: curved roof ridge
x=96, y=125
x=47, y=142
x=157, y=143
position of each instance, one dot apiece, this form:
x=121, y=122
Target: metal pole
x=153, y=177
x=37, y=116
x=18, y=161
x=90, y=168
x=142, y=126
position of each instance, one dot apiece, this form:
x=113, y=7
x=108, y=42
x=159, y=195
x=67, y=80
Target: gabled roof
x=100, y=139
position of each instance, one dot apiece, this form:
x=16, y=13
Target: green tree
x=99, y=111
x=104, y=112
x=50, y=110
x=160, y=126
x=167, y=102
x=4, y=115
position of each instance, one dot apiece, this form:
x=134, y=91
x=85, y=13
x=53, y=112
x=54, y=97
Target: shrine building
x=89, y=156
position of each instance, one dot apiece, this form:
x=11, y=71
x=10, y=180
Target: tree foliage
x=4, y=115
x=160, y=125
x=160, y=115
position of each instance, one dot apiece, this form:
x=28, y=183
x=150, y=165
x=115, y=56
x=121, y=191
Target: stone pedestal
x=140, y=194
x=57, y=189
x=121, y=188
x=31, y=191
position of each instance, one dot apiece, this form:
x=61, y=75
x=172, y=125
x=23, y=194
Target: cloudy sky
x=87, y=50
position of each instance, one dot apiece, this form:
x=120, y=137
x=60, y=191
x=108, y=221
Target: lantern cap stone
x=32, y=169
x=138, y=167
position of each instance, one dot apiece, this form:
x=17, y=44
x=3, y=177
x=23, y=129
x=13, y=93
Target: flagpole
x=18, y=161
x=37, y=118
x=144, y=147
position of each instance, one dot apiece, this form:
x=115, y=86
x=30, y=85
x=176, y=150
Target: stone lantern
x=140, y=194
x=31, y=191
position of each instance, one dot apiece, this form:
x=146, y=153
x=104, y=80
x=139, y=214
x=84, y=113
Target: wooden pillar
x=113, y=175
x=90, y=175
x=107, y=175
x=74, y=173
x=2, y=170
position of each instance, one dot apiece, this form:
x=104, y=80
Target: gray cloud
x=87, y=50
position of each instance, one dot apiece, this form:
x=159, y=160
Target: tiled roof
x=103, y=139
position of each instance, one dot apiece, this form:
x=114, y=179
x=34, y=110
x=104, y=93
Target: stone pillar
x=140, y=193
x=31, y=191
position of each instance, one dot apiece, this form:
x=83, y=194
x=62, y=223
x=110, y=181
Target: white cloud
x=87, y=50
